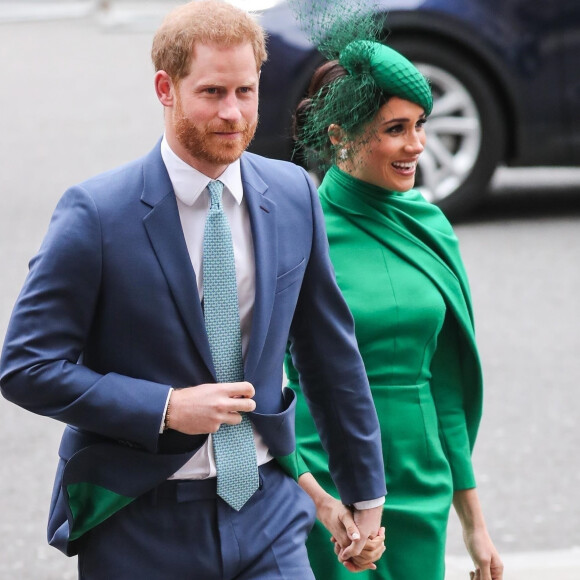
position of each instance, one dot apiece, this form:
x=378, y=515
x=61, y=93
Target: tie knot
x=215, y=189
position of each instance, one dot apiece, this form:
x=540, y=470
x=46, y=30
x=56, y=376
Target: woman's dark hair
x=324, y=80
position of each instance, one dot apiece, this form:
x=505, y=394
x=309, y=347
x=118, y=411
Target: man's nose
x=230, y=109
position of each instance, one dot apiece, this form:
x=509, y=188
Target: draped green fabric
x=398, y=265
x=420, y=234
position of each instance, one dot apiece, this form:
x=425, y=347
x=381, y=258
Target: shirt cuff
x=369, y=503
x=162, y=426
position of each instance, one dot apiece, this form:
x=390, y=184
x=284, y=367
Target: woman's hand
x=488, y=564
x=373, y=550
x=339, y=521
x=368, y=522
x=334, y=515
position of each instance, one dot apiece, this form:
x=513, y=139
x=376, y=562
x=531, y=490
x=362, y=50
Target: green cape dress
x=398, y=265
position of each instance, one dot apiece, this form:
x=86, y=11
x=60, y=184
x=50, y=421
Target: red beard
x=204, y=144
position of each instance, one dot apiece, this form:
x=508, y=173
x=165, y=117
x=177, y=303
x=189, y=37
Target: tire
x=465, y=132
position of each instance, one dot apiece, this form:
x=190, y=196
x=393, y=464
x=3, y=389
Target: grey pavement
x=78, y=99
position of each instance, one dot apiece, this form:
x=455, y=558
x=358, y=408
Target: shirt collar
x=188, y=183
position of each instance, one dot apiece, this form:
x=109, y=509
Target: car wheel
x=465, y=131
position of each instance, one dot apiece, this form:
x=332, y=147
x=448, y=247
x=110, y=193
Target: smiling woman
x=399, y=268
x=393, y=142
x=504, y=77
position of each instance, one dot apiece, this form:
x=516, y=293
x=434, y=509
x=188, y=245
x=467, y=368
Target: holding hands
x=358, y=539
x=372, y=551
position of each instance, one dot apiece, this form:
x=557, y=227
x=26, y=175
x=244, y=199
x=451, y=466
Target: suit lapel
x=265, y=236
x=166, y=235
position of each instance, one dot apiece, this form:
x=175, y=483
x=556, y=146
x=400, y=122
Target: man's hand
x=368, y=522
x=335, y=516
x=373, y=550
x=339, y=521
x=203, y=408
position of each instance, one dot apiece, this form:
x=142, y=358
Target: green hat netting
x=349, y=31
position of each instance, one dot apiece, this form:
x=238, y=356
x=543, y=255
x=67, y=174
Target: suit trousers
x=182, y=530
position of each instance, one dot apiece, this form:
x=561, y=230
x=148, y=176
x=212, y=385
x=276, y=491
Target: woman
x=398, y=266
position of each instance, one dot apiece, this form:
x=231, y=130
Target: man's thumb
x=350, y=527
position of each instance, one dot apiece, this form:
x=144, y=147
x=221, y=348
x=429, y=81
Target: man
x=119, y=332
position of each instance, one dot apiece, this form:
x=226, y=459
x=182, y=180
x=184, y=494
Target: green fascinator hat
x=392, y=72
x=349, y=33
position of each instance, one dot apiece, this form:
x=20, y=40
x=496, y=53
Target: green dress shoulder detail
x=419, y=232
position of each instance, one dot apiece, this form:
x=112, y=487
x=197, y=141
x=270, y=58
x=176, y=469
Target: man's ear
x=335, y=134
x=164, y=88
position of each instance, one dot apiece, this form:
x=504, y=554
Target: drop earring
x=343, y=154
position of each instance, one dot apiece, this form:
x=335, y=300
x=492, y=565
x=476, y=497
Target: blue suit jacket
x=109, y=318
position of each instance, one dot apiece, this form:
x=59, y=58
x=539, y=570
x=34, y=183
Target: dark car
x=505, y=76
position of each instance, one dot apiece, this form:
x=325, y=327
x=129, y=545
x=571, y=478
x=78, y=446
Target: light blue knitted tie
x=235, y=451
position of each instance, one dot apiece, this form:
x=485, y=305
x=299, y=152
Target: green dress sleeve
x=450, y=394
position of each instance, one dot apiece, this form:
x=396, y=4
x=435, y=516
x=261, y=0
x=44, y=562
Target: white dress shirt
x=190, y=186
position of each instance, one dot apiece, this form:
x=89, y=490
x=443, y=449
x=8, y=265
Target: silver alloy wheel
x=453, y=136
